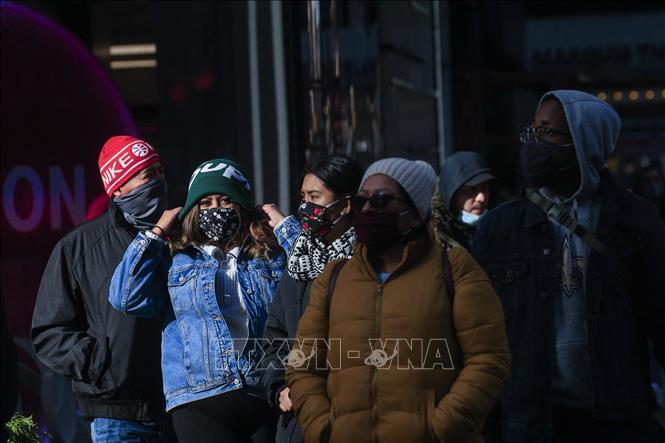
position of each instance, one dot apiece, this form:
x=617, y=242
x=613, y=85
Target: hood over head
x=464, y=167
x=594, y=126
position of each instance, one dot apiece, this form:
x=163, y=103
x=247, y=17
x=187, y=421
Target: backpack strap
x=561, y=216
x=337, y=267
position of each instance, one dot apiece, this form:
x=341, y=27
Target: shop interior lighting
x=136, y=49
x=634, y=95
x=133, y=64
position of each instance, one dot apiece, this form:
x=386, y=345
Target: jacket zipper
x=377, y=329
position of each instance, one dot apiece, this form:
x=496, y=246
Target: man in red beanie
x=112, y=359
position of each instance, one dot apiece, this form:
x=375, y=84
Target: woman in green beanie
x=221, y=274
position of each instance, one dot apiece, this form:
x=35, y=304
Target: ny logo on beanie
x=228, y=172
x=217, y=176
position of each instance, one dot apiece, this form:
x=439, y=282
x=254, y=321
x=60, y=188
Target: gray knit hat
x=416, y=177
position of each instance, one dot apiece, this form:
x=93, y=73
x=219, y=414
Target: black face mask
x=219, y=224
x=539, y=163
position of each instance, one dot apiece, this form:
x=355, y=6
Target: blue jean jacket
x=198, y=359
x=287, y=232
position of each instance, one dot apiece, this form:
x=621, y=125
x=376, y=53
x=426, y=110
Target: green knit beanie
x=218, y=176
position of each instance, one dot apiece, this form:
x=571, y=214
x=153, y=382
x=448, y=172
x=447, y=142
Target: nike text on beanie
x=122, y=156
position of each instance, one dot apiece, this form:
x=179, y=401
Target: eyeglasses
x=527, y=132
x=377, y=201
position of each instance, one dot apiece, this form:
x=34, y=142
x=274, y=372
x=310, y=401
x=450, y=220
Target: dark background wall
x=416, y=79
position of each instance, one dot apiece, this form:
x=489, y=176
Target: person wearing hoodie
x=582, y=285
x=463, y=197
x=326, y=235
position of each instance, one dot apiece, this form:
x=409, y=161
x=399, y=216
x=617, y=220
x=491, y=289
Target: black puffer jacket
x=112, y=358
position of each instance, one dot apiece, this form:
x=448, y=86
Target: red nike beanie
x=123, y=156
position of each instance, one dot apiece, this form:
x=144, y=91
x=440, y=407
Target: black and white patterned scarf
x=310, y=254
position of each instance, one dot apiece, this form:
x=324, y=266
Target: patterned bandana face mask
x=219, y=224
x=313, y=218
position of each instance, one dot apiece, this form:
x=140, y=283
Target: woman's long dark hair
x=340, y=174
x=254, y=235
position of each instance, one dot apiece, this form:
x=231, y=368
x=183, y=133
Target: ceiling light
x=133, y=64
x=137, y=49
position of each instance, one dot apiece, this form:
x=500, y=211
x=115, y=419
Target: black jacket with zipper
x=113, y=359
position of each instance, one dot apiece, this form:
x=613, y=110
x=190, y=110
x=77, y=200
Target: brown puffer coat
x=417, y=396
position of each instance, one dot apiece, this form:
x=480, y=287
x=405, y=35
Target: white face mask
x=469, y=218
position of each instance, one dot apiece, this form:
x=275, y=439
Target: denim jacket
x=287, y=232
x=198, y=359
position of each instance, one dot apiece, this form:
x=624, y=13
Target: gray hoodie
x=594, y=126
